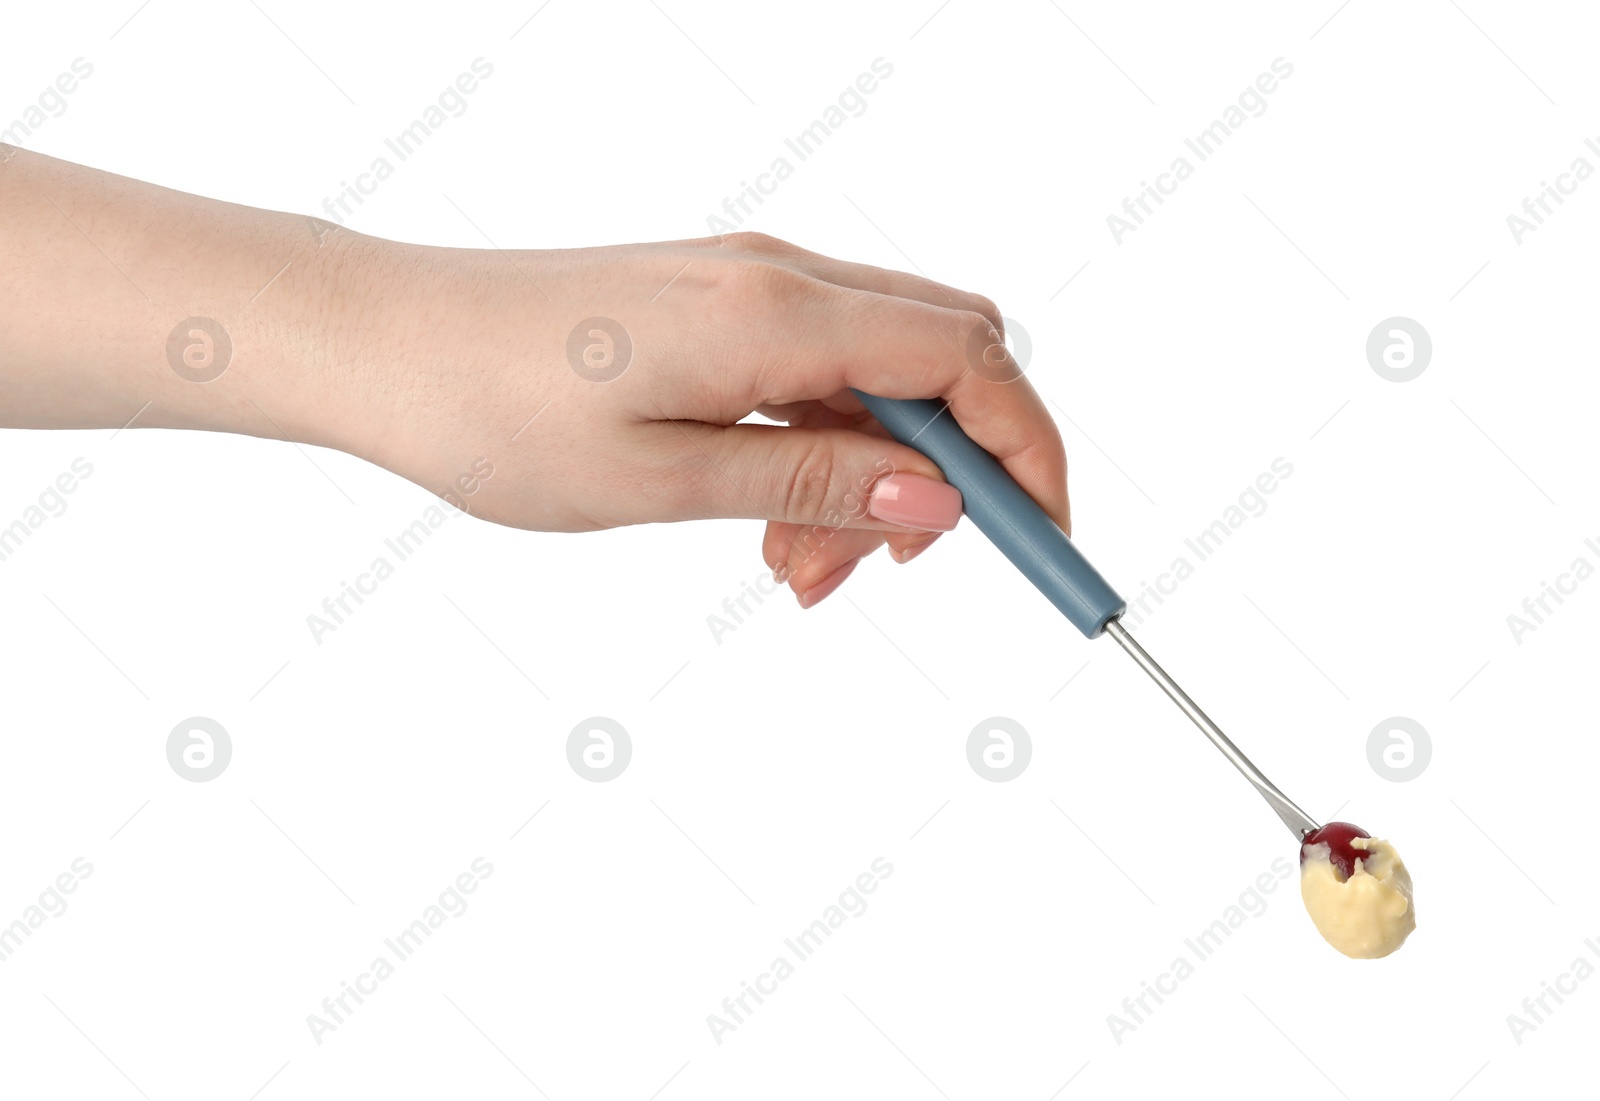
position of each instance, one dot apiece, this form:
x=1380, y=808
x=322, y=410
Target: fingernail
x=824, y=588
x=916, y=502
x=780, y=572
x=911, y=552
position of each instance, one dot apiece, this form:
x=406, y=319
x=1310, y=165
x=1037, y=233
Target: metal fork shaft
x=1299, y=822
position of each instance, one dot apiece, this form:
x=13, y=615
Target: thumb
x=834, y=477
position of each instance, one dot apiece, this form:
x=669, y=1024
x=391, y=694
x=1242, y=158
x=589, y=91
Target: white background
x=771, y=768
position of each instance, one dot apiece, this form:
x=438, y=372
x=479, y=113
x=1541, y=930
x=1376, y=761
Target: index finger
x=899, y=348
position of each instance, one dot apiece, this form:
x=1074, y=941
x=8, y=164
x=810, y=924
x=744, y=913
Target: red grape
x=1337, y=836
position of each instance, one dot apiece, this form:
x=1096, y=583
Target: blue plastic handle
x=1003, y=511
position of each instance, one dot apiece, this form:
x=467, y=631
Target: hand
x=637, y=364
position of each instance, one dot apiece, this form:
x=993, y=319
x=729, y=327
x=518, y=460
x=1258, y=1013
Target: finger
x=836, y=477
x=779, y=540
x=846, y=273
x=903, y=548
x=775, y=545
x=815, y=562
x=897, y=348
x=887, y=281
x=821, y=558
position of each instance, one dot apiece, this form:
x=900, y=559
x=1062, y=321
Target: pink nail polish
x=916, y=550
x=824, y=588
x=916, y=502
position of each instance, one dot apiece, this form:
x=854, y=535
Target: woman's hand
x=636, y=365
x=603, y=386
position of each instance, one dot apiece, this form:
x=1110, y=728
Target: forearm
x=102, y=272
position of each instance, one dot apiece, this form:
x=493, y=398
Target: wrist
x=283, y=333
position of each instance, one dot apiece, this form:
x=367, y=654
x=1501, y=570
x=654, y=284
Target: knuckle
x=976, y=337
x=750, y=240
x=974, y=321
x=811, y=483
x=986, y=307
